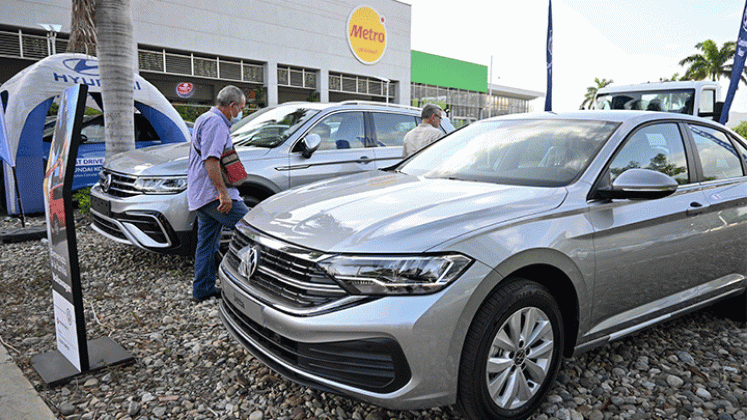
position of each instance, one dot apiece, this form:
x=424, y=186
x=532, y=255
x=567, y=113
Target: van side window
x=707, y=101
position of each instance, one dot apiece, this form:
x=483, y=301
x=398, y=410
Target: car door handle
x=696, y=208
x=364, y=159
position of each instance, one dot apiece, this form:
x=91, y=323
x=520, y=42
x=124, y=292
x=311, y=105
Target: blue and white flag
x=548, y=96
x=737, y=67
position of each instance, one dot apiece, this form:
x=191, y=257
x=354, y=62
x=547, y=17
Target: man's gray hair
x=230, y=94
x=430, y=109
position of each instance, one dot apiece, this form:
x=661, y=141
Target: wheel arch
x=561, y=276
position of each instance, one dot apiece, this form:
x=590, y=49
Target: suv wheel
x=512, y=353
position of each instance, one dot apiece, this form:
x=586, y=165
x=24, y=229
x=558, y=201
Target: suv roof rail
x=385, y=104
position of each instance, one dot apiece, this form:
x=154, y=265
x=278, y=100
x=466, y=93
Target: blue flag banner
x=4, y=146
x=737, y=67
x=548, y=96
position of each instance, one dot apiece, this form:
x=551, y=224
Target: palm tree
x=82, y=29
x=711, y=63
x=591, y=91
x=116, y=56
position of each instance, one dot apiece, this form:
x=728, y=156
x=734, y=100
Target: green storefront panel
x=435, y=70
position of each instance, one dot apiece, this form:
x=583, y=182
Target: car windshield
x=271, y=126
x=540, y=153
x=680, y=101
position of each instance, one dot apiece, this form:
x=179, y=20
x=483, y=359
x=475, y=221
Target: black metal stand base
x=55, y=369
x=29, y=233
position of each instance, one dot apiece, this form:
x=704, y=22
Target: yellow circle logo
x=367, y=35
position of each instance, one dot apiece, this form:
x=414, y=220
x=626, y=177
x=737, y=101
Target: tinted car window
x=343, y=130
x=718, y=158
x=391, y=128
x=541, y=153
x=658, y=147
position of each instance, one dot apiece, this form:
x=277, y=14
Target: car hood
x=169, y=159
x=392, y=212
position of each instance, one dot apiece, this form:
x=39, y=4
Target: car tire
x=250, y=201
x=512, y=353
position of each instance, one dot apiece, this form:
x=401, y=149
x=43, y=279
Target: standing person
x=426, y=133
x=216, y=204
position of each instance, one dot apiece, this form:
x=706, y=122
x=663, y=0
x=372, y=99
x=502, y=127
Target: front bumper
x=159, y=223
x=400, y=352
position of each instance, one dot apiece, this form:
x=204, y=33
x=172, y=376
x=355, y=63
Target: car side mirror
x=310, y=143
x=640, y=184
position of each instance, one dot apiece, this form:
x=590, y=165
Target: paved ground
x=18, y=399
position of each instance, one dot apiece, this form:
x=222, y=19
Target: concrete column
x=322, y=85
x=271, y=82
x=401, y=92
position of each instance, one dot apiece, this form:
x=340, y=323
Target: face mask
x=237, y=118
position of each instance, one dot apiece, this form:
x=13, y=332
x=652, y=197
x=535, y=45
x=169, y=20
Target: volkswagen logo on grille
x=249, y=257
x=106, y=183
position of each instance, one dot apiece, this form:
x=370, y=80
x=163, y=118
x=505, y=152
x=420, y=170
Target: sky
x=628, y=41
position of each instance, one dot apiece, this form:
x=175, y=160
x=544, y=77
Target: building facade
x=294, y=50
x=277, y=51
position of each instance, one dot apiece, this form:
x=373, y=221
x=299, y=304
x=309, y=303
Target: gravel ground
x=188, y=367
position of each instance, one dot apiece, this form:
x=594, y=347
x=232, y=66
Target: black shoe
x=215, y=294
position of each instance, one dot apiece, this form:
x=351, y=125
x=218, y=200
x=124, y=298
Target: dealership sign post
x=74, y=354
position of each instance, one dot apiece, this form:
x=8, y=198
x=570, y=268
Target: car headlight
x=161, y=185
x=395, y=275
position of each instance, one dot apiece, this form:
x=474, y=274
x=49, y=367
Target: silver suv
x=141, y=198
x=465, y=273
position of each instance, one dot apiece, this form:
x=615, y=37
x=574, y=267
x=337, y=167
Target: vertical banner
x=737, y=67
x=548, y=96
x=67, y=294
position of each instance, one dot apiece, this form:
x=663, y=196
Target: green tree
x=741, y=129
x=591, y=91
x=710, y=62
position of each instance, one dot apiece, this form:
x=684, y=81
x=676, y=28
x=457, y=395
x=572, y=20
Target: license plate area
x=101, y=206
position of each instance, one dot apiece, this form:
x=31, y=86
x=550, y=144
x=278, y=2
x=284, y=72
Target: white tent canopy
x=27, y=97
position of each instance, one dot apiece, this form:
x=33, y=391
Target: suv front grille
x=283, y=276
x=121, y=185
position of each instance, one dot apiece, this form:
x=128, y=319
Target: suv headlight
x=395, y=275
x=161, y=185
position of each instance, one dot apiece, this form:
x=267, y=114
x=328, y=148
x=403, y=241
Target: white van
x=679, y=97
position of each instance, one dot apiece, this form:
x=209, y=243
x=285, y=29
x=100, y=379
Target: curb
x=18, y=398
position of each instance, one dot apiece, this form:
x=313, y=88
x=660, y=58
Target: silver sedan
x=465, y=273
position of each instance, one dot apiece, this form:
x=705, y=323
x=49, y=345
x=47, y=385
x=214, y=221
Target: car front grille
x=120, y=185
x=376, y=364
x=282, y=274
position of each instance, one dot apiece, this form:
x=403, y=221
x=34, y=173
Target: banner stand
x=54, y=368
x=74, y=355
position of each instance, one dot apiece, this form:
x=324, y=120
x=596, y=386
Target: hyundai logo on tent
x=82, y=66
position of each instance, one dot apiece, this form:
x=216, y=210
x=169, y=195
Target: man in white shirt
x=426, y=133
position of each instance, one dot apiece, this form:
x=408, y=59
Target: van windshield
x=679, y=101
x=271, y=126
